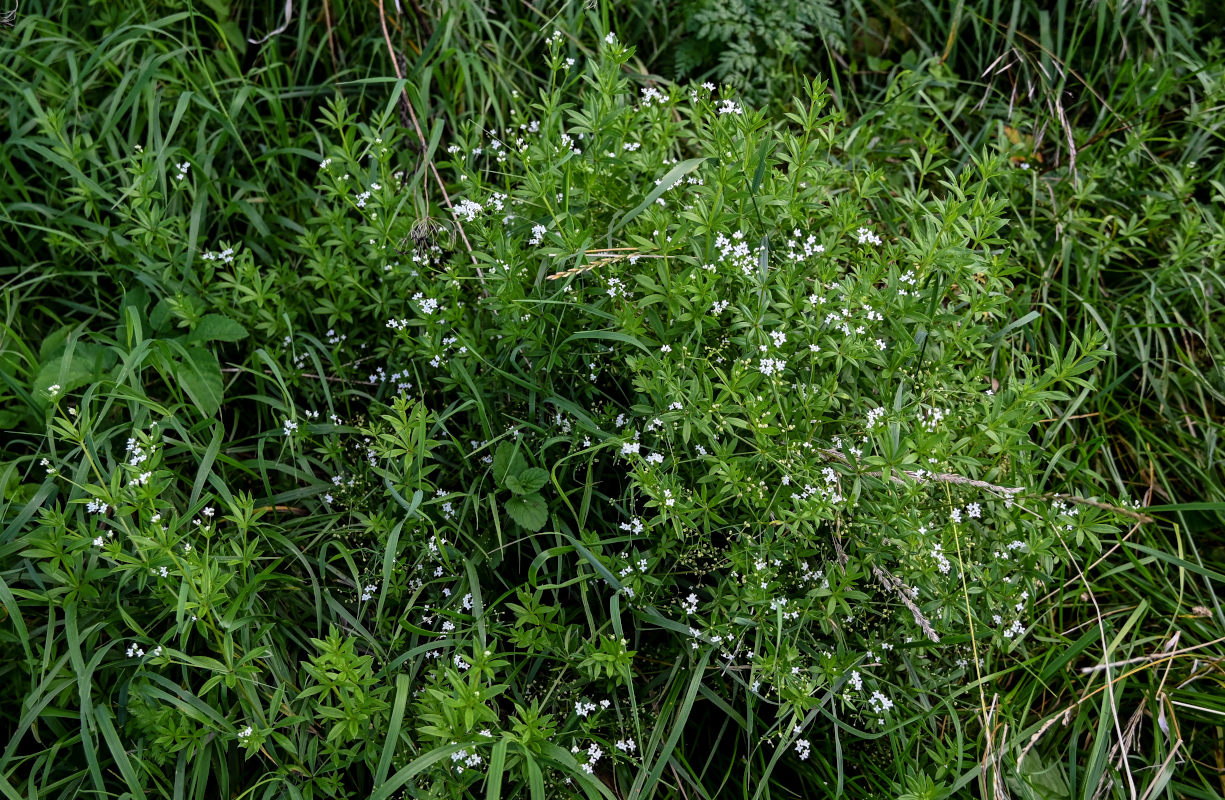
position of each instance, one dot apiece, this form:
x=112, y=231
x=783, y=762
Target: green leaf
x=532, y=479
x=218, y=328
x=529, y=511
x=675, y=174
x=71, y=367
x=198, y=372
x=507, y=460
x=497, y=762
x=614, y=336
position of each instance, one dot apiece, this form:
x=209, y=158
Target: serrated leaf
x=217, y=328
x=528, y=510
x=532, y=479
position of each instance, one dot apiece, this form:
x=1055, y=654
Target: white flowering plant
x=670, y=433
x=786, y=433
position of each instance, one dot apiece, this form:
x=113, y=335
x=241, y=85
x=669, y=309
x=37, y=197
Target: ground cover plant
x=442, y=403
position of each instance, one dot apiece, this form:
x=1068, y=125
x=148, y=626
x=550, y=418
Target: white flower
x=868, y=237
x=289, y=427
x=879, y=703
x=468, y=210
x=53, y=390
x=610, y=38
x=771, y=366
x=802, y=749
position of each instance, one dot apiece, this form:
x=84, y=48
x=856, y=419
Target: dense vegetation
x=698, y=399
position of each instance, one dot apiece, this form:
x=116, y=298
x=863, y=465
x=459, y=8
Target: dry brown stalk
x=922, y=476
x=898, y=588
x=446, y=197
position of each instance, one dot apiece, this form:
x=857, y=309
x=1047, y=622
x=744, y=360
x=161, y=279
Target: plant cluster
x=682, y=449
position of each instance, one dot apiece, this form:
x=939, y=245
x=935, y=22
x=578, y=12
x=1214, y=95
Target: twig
x=327, y=18
x=446, y=197
x=1074, y=416
x=1162, y=656
x=1084, y=501
x=922, y=476
x=296, y=511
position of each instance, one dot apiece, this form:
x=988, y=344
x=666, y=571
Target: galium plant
x=703, y=412
x=784, y=443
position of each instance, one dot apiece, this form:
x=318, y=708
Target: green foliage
x=699, y=450
x=757, y=47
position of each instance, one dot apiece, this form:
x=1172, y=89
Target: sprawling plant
x=682, y=447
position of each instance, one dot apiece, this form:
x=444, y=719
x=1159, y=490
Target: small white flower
x=868, y=237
